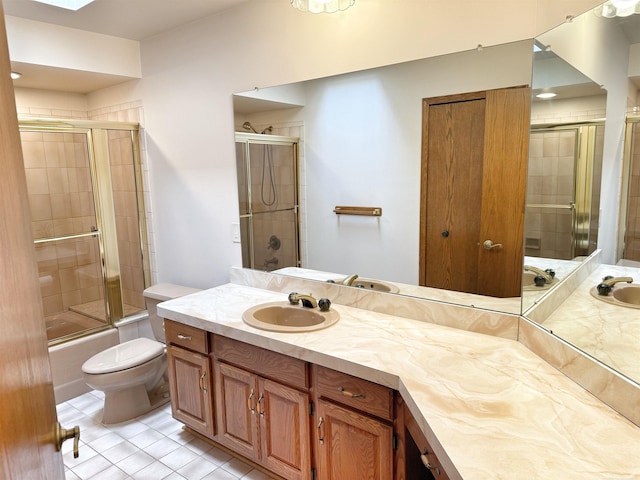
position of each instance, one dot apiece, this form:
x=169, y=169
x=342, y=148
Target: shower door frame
x=630, y=122
x=248, y=139
x=102, y=189
x=581, y=207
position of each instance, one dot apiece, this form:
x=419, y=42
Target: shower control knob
x=445, y=233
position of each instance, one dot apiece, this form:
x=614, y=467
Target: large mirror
x=360, y=144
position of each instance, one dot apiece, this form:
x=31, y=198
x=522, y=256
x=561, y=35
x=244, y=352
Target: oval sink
x=623, y=294
x=371, y=284
x=285, y=317
x=529, y=283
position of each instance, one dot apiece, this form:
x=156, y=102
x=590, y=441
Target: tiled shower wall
x=127, y=112
x=60, y=195
x=550, y=181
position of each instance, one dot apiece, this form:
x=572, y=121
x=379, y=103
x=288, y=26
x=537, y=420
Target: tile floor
x=151, y=447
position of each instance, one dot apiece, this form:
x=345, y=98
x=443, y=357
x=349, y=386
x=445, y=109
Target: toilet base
x=123, y=405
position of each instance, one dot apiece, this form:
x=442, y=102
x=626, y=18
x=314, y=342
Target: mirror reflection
x=359, y=143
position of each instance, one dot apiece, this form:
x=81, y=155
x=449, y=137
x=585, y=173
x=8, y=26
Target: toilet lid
x=125, y=355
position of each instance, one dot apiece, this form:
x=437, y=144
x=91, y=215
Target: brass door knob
x=489, y=245
x=62, y=434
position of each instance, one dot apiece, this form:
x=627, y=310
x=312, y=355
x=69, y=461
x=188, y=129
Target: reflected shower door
x=65, y=231
x=268, y=197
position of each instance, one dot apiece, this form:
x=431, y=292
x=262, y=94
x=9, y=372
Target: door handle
x=489, y=245
x=62, y=434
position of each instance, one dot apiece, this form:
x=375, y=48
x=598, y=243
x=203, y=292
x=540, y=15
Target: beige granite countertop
x=610, y=333
x=489, y=406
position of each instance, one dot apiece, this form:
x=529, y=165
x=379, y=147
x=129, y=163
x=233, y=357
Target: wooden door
x=474, y=166
x=236, y=410
x=27, y=405
x=351, y=446
x=453, y=189
x=191, y=392
x=284, y=430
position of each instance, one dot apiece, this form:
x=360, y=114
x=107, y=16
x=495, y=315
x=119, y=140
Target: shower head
x=269, y=129
x=248, y=126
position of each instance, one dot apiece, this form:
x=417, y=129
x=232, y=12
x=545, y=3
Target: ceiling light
x=322, y=6
x=68, y=4
x=618, y=8
x=546, y=95
x=15, y=75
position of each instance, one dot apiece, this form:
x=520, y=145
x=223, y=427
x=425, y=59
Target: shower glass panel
x=631, y=246
x=131, y=232
x=84, y=182
x=64, y=225
x=268, y=198
x=565, y=164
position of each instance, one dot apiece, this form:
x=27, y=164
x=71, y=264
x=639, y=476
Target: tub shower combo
x=267, y=167
x=84, y=182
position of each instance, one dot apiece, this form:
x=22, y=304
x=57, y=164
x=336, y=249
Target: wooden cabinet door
x=351, y=446
x=237, y=410
x=284, y=430
x=191, y=392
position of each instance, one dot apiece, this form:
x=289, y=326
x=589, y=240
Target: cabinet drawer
x=288, y=370
x=366, y=396
x=186, y=336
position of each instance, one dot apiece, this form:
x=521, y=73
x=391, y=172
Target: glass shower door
x=65, y=229
x=268, y=197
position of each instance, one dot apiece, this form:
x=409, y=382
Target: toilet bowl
x=133, y=374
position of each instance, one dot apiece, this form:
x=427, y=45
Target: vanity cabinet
x=190, y=376
x=416, y=459
x=354, y=427
x=262, y=406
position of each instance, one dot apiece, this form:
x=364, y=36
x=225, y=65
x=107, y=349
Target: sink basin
x=529, y=284
x=285, y=317
x=623, y=294
x=371, y=284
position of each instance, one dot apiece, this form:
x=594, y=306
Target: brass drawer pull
x=203, y=386
x=320, y=431
x=250, y=402
x=260, y=407
x=351, y=395
x=425, y=462
x=184, y=337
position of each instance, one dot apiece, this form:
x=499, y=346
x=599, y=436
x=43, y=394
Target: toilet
x=133, y=374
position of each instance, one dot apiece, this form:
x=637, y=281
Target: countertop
x=489, y=406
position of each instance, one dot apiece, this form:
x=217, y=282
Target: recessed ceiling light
x=68, y=4
x=15, y=75
x=546, y=95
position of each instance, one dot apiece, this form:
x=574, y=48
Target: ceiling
x=131, y=19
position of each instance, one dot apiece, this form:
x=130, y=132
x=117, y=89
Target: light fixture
x=322, y=6
x=15, y=75
x=546, y=95
x=618, y=8
x=67, y=4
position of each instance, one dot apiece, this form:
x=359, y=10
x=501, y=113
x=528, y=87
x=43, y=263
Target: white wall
x=190, y=73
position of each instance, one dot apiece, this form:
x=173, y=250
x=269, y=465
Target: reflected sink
x=623, y=294
x=529, y=284
x=371, y=284
x=285, y=317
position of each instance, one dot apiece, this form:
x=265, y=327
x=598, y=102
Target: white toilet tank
x=158, y=293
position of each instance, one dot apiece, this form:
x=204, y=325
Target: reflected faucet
x=350, y=279
x=605, y=287
x=544, y=274
x=307, y=300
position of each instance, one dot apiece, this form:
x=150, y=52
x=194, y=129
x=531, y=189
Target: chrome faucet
x=307, y=300
x=546, y=275
x=350, y=279
x=605, y=287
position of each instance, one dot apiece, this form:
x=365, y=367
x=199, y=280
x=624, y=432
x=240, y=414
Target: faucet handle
x=324, y=304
